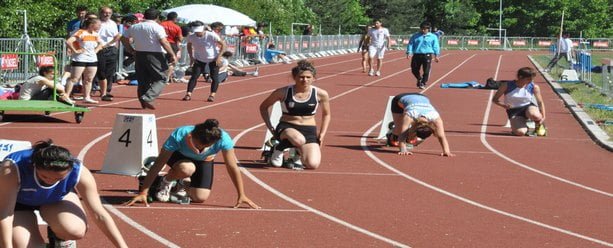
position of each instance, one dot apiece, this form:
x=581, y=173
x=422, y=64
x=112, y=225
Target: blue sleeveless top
x=31, y=191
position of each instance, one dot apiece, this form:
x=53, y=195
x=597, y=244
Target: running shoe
x=378, y=73
x=106, y=98
x=256, y=72
x=56, y=242
x=371, y=72
x=295, y=163
x=163, y=190
x=89, y=100
x=541, y=130
x=276, y=159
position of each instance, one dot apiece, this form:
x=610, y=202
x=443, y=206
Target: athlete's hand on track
x=405, y=153
x=138, y=198
x=244, y=199
x=447, y=154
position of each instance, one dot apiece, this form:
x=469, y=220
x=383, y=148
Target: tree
x=348, y=14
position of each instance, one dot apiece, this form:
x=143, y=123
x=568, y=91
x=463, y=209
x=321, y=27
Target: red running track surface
x=499, y=191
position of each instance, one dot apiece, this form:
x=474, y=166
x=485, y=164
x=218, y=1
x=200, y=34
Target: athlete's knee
x=520, y=132
x=71, y=232
x=199, y=195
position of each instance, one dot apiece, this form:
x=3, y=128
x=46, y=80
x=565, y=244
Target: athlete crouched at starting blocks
x=519, y=102
x=45, y=178
x=190, y=151
x=415, y=117
x=297, y=126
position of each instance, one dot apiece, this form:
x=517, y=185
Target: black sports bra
x=293, y=107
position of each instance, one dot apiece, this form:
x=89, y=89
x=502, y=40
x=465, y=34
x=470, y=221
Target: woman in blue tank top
x=519, y=101
x=45, y=178
x=297, y=127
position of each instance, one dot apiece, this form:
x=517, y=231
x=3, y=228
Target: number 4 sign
x=133, y=139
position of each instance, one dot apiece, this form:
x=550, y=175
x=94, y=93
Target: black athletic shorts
x=309, y=132
x=83, y=64
x=396, y=109
x=22, y=207
x=520, y=111
x=202, y=177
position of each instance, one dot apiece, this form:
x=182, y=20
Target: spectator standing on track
x=565, y=48
x=519, y=102
x=378, y=37
x=174, y=37
x=205, y=49
x=83, y=45
x=149, y=44
x=75, y=24
x=363, y=47
x=190, y=152
x=45, y=178
x=415, y=117
x=422, y=47
x=107, y=57
x=297, y=127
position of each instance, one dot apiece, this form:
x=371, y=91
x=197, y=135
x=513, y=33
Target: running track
x=499, y=191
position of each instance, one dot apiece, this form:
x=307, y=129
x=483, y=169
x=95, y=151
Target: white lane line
x=307, y=207
x=214, y=209
x=139, y=227
x=321, y=173
x=132, y=222
x=466, y=200
x=486, y=116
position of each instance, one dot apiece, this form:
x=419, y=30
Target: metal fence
x=28, y=64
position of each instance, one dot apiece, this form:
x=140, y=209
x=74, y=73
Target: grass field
x=582, y=93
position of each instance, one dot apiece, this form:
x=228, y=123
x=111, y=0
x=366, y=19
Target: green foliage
x=48, y=18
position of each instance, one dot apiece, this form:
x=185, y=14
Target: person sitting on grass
x=41, y=87
x=519, y=102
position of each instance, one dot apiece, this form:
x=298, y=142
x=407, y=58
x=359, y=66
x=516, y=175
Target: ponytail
x=207, y=132
x=47, y=156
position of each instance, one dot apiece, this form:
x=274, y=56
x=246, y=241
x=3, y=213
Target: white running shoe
x=276, y=159
x=371, y=72
x=256, y=72
x=89, y=100
x=164, y=189
x=378, y=73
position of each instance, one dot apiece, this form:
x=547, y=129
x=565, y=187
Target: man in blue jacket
x=422, y=47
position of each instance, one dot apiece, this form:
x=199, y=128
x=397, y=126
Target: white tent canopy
x=209, y=13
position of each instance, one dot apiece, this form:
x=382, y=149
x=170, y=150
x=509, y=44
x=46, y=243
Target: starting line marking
x=214, y=209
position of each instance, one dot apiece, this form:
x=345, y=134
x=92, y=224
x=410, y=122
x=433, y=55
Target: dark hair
x=81, y=8
x=195, y=24
x=172, y=16
x=89, y=21
x=129, y=18
x=227, y=54
x=423, y=132
x=271, y=46
x=215, y=25
x=207, y=132
x=376, y=20
x=152, y=14
x=44, y=70
x=303, y=65
x=425, y=24
x=525, y=72
x=47, y=156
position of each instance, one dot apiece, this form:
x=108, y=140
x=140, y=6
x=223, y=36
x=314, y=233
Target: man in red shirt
x=174, y=37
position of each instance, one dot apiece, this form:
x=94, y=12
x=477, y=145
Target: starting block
x=387, y=118
x=133, y=141
x=275, y=116
x=569, y=76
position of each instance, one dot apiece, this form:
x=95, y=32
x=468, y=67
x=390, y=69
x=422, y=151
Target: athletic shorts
x=518, y=117
x=83, y=64
x=202, y=177
x=395, y=108
x=309, y=132
x=376, y=51
x=23, y=207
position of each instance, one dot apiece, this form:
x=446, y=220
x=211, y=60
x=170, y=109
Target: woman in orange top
x=84, y=44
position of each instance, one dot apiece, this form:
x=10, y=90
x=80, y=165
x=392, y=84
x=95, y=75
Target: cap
x=198, y=29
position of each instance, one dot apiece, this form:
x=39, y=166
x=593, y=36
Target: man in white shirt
x=378, y=37
x=565, y=47
x=205, y=49
x=149, y=45
x=107, y=57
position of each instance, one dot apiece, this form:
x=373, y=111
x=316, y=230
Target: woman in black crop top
x=297, y=127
